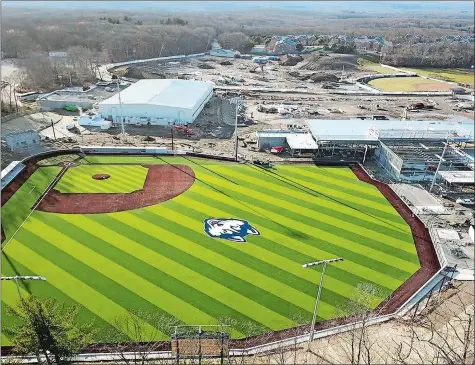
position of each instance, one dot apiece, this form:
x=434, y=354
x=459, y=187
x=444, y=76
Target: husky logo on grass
x=229, y=229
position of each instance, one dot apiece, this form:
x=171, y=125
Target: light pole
x=18, y=277
x=317, y=301
x=236, y=101
x=441, y=158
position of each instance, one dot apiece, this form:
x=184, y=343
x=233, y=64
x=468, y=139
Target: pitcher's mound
x=163, y=182
x=100, y=176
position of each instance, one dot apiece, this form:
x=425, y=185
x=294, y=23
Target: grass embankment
x=160, y=259
x=366, y=65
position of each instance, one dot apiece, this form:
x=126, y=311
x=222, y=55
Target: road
x=332, y=92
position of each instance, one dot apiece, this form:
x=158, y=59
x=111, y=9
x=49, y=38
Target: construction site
x=403, y=139
x=250, y=94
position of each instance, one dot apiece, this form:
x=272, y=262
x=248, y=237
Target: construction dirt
x=317, y=62
x=303, y=91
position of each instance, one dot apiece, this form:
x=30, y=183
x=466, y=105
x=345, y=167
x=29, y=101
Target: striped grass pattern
x=159, y=258
x=123, y=179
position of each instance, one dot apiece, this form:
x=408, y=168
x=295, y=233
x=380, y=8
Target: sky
x=357, y=6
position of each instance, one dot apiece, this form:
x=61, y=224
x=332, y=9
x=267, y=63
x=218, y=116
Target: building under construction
x=418, y=160
x=408, y=151
x=362, y=139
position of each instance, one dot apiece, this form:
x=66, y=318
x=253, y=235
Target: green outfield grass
x=366, y=65
x=123, y=179
x=447, y=74
x=159, y=258
x=409, y=84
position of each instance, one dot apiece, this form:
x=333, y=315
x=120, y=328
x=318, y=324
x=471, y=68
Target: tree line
x=38, y=31
x=92, y=38
x=433, y=55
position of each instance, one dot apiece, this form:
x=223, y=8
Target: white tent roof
x=169, y=92
x=95, y=121
x=458, y=177
x=301, y=141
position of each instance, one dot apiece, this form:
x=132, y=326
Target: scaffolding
x=417, y=160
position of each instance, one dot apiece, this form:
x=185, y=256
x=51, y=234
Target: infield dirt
x=163, y=182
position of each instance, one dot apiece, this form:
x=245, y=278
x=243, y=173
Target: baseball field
x=409, y=84
x=200, y=240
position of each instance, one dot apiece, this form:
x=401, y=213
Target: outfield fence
x=403, y=309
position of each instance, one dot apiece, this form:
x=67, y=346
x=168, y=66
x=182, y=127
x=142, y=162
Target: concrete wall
x=22, y=140
x=145, y=113
x=46, y=104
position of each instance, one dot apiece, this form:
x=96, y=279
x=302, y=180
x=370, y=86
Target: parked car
x=465, y=201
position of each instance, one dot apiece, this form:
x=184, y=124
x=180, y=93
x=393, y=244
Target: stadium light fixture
x=317, y=301
x=18, y=277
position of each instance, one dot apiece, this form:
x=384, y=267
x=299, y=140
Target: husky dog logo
x=229, y=229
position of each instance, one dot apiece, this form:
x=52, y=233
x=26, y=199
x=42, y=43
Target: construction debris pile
x=329, y=62
x=291, y=60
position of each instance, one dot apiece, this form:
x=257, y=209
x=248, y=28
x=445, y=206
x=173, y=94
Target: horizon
x=322, y=6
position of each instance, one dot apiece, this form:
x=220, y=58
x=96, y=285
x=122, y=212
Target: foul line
x=45, y=192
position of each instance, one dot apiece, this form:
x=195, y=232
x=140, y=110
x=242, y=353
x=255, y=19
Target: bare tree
x=141, y=333
x=357, y=345
x=442, y=333
x=40, y=73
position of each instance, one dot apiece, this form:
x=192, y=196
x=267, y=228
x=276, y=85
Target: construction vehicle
x=183, y=128
x=263, y=163
x=277, y=149
x=260, y=60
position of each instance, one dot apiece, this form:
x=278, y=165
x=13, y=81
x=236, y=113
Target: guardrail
x=169, y=58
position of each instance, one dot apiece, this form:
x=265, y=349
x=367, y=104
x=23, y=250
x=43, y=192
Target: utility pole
x=317, y=301
x=173, y=127
x=16, y=101
x=120, y=106
x=10, y=96
x=52, y=126
x=18, y=277
x=441, y=158
x=236, y=101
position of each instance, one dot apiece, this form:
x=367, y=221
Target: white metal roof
x=458, y=177
x=330, y=130
x=9, y=168
x=168, y=92
x=359, y=130
x=271, y=135
x=301, y=141
x=10, y=172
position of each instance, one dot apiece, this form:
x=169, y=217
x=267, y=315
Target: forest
x=97, y=36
